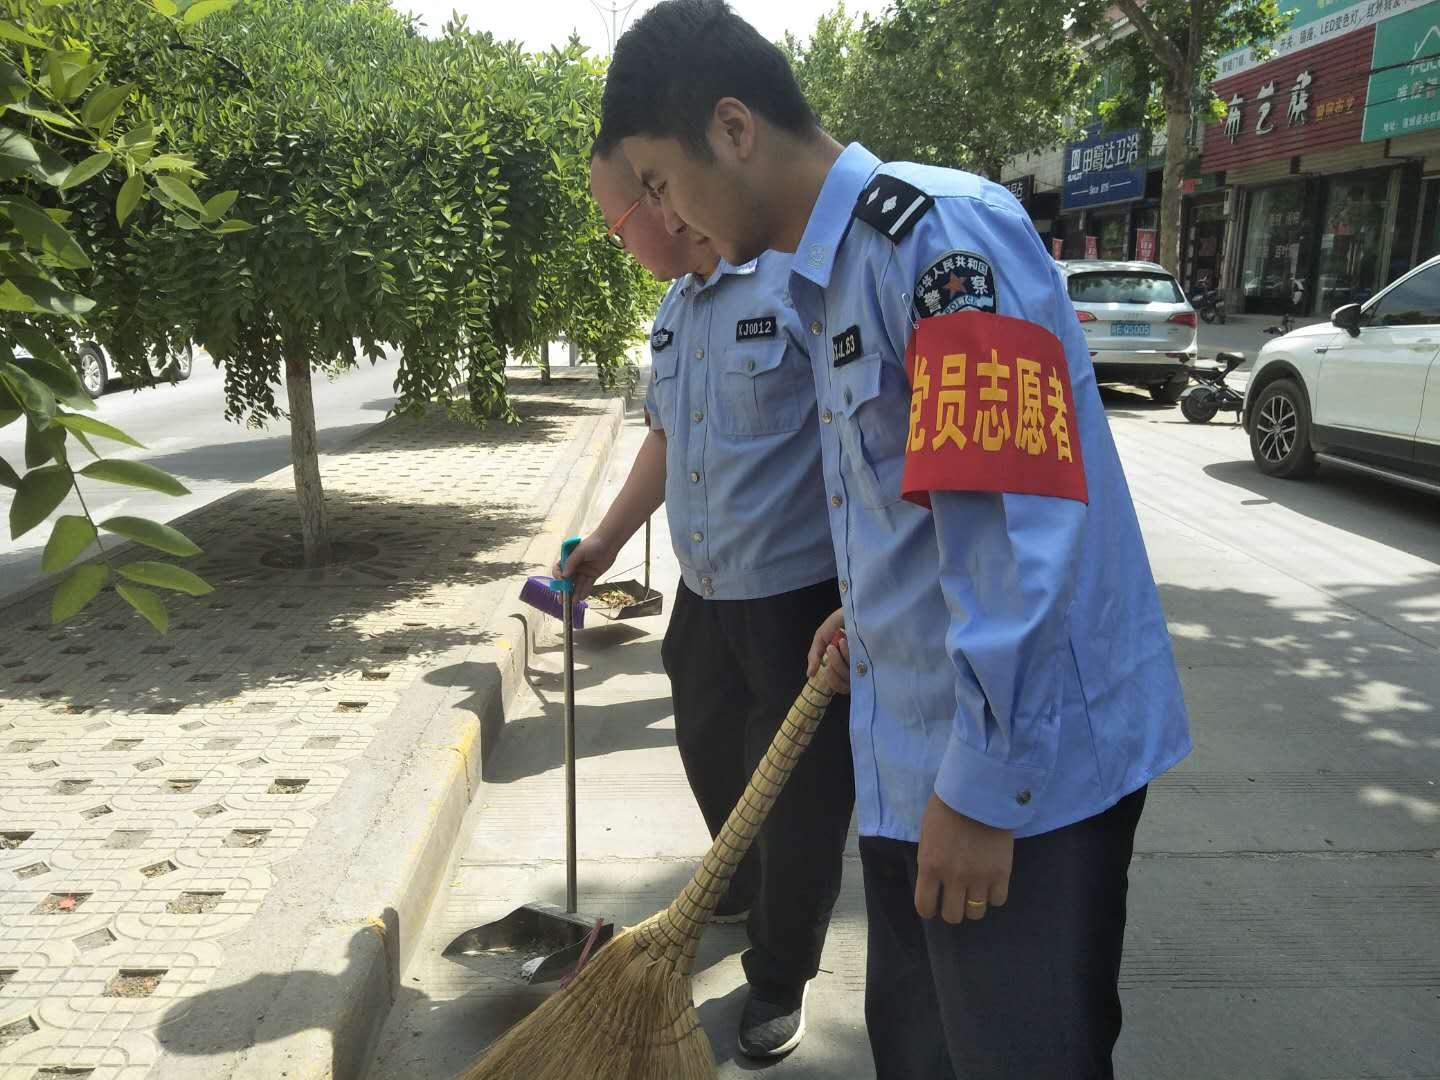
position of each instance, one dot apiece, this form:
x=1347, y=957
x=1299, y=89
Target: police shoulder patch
x=954, y=282
x=892, y=206
x=661, y=339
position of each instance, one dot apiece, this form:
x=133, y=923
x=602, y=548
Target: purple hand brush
x=537, y=593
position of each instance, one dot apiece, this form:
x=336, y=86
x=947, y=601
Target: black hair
x=604, y=145
x=679, y=59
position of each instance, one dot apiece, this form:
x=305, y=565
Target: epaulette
x=892, y=206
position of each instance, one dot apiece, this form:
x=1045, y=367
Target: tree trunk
x=305, y=459
x=1177, y=125
x=545, y=363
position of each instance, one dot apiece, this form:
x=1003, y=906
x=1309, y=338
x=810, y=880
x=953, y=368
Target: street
x=1283, y=895
x=184, y=431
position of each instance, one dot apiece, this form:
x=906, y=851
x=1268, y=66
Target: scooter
x=1210, y=306
x=1200, y=403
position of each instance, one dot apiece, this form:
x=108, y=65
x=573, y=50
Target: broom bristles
x=630, y=1012
x=629, y=1015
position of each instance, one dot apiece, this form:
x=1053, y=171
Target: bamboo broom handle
x=684, y=921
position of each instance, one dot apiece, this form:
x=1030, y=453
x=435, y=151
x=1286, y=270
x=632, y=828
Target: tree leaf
x=43, y=444
x=201, y=8
x=77, y=590
x=129, y=197
x=166, y=576
x=215, y=207
x=8, y=476
x=70, y=536
x=146, y=603
x=60, y=377
x=102, y=106
x=169, y=162
x=232, y=225
x=42, y=231
x=164, y=7
x=17, y=153
x=90, y=426
x=36, y=294
x=12, y=32
x=135, y=474
x=95, y=163
x=152, y=534
x=48, y=115
x=181, y=192
x=37, y=399
x=40, y=492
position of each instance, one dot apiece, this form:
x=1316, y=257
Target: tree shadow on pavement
x=275, y=1006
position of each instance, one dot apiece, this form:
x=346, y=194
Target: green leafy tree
x=967, y=83
x=1164, y=68
x=60, y=144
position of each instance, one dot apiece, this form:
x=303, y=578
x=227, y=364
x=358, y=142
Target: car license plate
x=1130, y=329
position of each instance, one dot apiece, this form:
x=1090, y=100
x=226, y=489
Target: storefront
x=1325, y=205
x=1202, y=233
x=1103, y=200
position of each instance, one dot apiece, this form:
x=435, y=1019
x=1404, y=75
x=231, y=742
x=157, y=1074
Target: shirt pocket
x=874, y=425
x=664, y=366
x=757, y=392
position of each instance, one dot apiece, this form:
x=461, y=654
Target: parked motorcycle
x=1211, y=393
x=1210, y=306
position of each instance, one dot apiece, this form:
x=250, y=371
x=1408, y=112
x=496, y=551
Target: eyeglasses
x=613, y=236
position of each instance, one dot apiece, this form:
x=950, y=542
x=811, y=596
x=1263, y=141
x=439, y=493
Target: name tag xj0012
x=991, y=409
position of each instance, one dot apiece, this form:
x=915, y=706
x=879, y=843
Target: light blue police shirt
x=1008, y=652
x=731, y=388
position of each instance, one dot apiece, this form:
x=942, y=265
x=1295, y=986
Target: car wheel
x=1200, y=407
x=94, y=374
x=179, y=369
x=1207, y=315
x=1280, y=431
x=1168, y=393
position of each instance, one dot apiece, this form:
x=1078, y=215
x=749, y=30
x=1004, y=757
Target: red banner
x=991, y=409
x=1092, y=247
x=1145, y=245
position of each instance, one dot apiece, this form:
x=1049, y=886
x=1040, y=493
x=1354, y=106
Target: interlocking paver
x=152, y=789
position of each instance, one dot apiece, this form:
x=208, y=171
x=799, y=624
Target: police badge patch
x=661, y=339
x=958, y=280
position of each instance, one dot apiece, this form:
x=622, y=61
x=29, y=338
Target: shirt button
x=694, y=478
x=862, y=668
x=699, y=354
x=844, y=586
x=836, y=500
x=1023, y=798
x=697, y=536
x=697, y=416
x=827, y=416
x=815, y=328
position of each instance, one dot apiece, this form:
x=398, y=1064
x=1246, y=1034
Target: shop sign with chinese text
x=1316, y=22
x=1302, y=103
x=1104, y=168
x=1404, y=88
x=1022, y=187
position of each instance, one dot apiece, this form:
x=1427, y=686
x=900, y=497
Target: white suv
x=1361, y=392
x=1137, y=322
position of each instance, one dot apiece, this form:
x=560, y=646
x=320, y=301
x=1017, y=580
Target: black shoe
x=731, y=909
x=772, y=1026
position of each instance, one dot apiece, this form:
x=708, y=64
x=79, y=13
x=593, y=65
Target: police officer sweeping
x=1013, y=685
x=734, y=453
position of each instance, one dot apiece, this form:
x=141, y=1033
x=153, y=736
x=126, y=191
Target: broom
x=629, y=1014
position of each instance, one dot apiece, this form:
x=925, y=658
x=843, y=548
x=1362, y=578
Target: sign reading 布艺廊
x=1104, y=168
x=1404, y=91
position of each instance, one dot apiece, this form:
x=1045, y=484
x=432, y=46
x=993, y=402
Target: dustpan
x=538, y=942
x=629, y=599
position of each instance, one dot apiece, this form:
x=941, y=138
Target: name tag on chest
x=763, y=326
x=846, y=347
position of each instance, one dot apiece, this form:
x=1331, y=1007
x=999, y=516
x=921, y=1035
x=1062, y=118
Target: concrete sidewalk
x=1285, y=915
x=218, y=845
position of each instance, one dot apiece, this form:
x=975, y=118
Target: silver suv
x=1140, y=327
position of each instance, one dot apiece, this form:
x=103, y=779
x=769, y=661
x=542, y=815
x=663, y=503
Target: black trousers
x=735, y=667
x=1027, y=993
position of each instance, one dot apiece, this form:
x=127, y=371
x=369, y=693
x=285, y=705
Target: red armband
x=991, y=409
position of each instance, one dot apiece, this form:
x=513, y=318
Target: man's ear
x=732, y=128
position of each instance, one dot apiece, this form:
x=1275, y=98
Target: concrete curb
x=414, y=797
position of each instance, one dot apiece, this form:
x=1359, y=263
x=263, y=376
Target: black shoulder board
x=892, y=206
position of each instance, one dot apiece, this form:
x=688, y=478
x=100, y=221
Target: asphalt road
x=184, y=430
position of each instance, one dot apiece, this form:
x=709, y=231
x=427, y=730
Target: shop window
x=1276, y=259
x=1351, y=234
